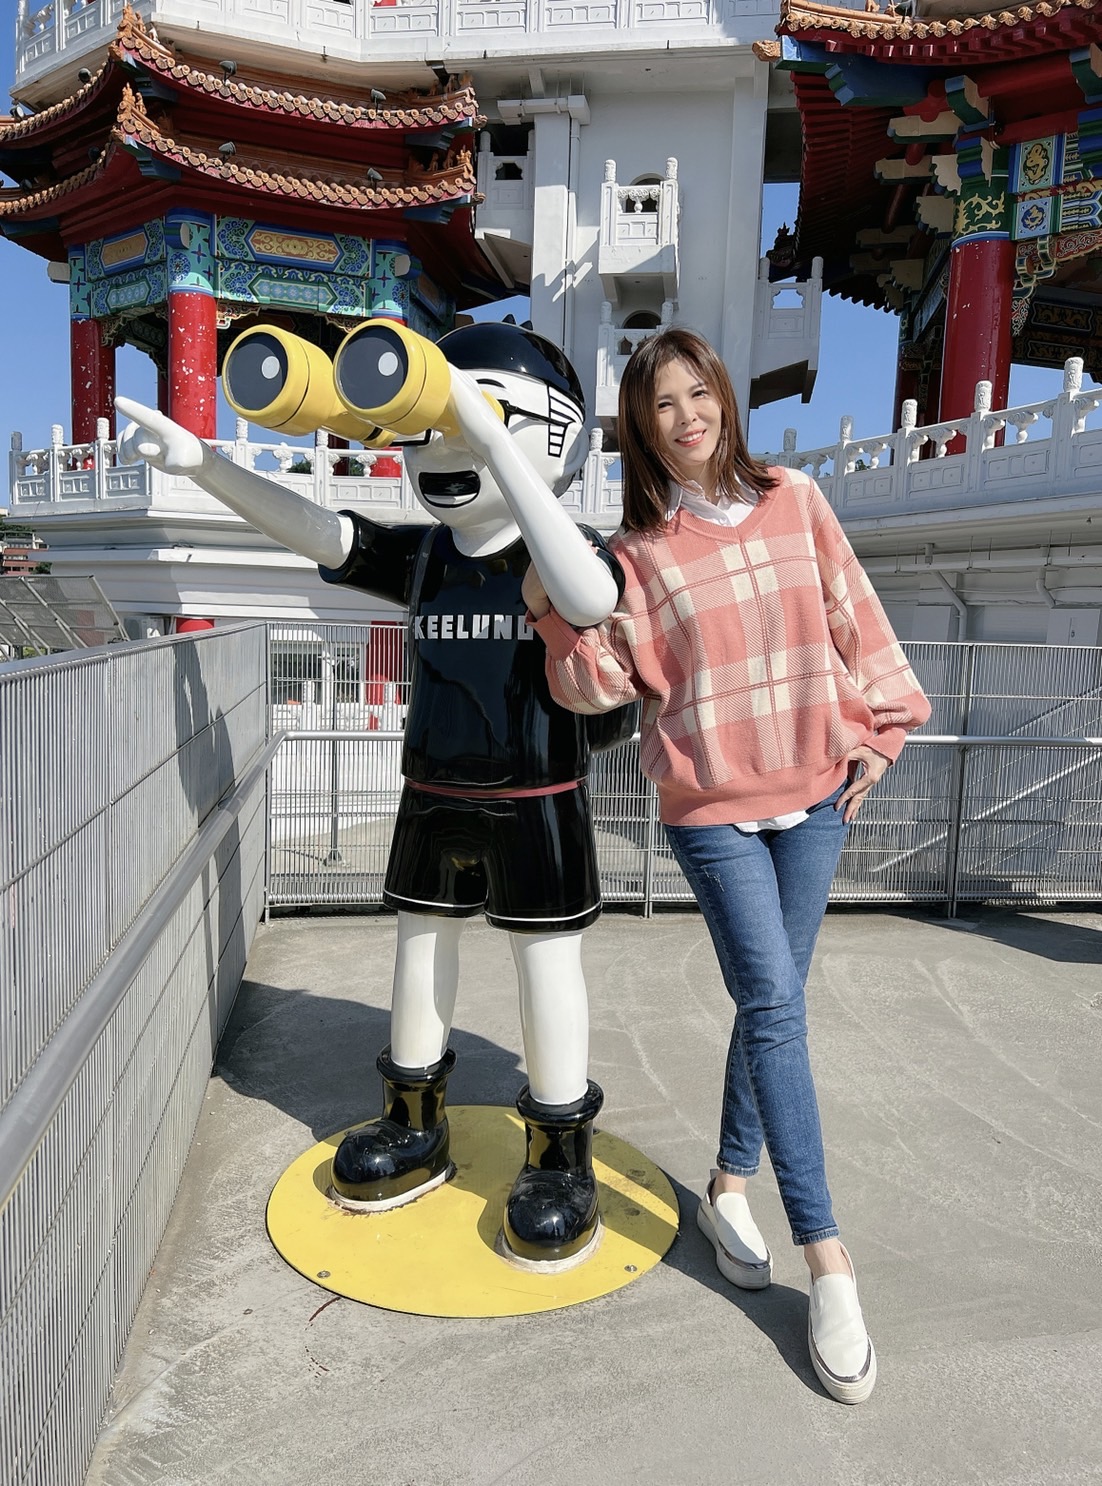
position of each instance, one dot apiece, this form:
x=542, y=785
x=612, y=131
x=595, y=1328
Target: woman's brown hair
x=647, y=475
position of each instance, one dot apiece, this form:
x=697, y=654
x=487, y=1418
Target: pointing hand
x=156, y=439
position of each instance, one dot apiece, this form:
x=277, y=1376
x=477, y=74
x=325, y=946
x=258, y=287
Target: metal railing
x=1000, y=798
x=131, y=867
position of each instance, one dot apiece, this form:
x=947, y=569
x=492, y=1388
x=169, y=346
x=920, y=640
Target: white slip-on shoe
x=741, y=1253
x=841, y=1349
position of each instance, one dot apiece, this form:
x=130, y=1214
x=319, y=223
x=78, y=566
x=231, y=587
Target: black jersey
x=480, y=713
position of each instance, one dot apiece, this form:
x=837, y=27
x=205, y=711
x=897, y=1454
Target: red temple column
x=193, y=362
x=930, y=402
x=340, y=467
x=92, y=369
x=977, y=344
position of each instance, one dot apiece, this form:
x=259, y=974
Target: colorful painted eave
x=1002, y=34
x=839, y=191
x=854, y=71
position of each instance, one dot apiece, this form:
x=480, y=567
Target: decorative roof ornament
x=892, y=24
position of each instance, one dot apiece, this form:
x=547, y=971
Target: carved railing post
x=240, y=453
x=1073, y=384
x=983, y=427
x=1068, y=417
x=102, y=458
x=323, y=474
x=16, y=465
x=56, y=463
x=978, y=428
x=844, y=464
x=593, y=472
x=907, y=449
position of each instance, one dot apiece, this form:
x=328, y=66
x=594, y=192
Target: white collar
x=722, y=512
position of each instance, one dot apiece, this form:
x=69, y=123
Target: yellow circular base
x=436, y=1256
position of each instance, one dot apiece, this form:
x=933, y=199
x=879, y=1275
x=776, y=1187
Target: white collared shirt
x=725, y=512
x=722, y=512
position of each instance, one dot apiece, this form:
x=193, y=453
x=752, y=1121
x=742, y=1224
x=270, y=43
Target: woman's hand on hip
x=866, y=768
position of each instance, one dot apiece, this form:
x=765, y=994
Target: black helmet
x=498, y=345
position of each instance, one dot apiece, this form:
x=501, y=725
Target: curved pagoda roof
x=1001, y=33
x=150, y=132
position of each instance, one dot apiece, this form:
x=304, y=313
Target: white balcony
x=615, y=343
x=639, y=233
x=785, y=355
x=503, y=220
x=367, y=31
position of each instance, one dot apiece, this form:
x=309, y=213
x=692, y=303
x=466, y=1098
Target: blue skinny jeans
x=763, y=896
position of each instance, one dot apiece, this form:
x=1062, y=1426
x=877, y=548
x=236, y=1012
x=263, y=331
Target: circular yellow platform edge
x=436, y=1256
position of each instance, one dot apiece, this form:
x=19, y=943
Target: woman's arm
x=863, y=636
x=589, y=670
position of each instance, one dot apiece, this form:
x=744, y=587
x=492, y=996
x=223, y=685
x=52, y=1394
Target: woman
x=774, y=697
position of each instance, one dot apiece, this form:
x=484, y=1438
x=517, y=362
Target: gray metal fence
x=992, y=800
x=131, y=869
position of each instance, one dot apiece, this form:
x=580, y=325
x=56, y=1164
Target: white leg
x=554, y=1015
x=426, y=978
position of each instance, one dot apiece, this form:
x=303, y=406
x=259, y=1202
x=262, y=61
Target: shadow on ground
x=313, y=1057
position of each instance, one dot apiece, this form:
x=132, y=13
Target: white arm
x=578, y=582
x=319, y=534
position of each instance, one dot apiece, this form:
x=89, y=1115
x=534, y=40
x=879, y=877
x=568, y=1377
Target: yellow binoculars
x=384, y=382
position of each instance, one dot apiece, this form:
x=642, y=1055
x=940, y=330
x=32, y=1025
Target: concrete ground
x=959, y=1077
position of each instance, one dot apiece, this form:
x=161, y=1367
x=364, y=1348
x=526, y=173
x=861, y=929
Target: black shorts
x=529, y=864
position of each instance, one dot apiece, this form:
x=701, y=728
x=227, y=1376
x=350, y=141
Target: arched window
x=643, y=320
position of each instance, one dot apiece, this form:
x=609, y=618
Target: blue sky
x=856, y=358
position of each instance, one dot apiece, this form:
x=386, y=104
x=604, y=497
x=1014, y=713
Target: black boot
x=404, y=1153
x=551, y=1216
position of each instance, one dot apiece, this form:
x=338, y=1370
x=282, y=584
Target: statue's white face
x=459, y=489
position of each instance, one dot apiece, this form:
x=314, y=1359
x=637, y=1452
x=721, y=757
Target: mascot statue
x=494, y=815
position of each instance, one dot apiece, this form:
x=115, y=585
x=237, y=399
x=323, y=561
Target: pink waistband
x=492, y=794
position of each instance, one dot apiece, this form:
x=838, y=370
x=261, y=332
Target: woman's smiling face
x=689, y=422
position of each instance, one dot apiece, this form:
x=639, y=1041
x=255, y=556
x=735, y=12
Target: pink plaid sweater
x=760, y=652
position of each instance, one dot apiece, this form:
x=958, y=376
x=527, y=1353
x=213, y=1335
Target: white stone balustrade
x=786, y=331
x=85, y=478
x=1053, y=461
x=639, y=231
x=366, y=31
x=961, y=465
